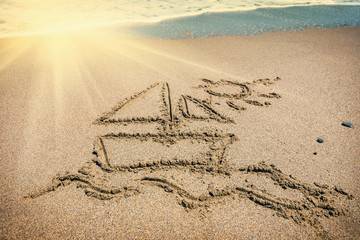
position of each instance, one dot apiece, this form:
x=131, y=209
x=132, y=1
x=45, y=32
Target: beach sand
x=103, y=137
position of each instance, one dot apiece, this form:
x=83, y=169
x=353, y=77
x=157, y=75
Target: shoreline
x=162, y=28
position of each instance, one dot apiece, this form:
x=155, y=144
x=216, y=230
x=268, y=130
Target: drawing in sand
x=193, y=165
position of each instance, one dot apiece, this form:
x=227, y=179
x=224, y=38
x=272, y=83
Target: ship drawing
x=147, y=159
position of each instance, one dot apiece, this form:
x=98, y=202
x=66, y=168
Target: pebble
x=320, y=140
x=348, y=124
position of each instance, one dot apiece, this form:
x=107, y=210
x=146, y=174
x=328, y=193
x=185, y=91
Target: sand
x=109, y=138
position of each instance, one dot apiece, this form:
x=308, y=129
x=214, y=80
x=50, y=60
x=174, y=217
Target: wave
x=41, y=16
x=258, y=21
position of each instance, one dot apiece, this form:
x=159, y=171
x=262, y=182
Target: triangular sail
x=150, y=105
x=193, y=108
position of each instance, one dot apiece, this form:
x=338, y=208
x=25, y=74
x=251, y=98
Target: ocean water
x=19, y=17
x=251, y=22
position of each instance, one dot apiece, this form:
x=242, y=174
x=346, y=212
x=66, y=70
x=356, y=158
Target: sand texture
x=104, y=137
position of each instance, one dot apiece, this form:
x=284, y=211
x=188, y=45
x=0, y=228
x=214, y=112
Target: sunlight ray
x=39, y=125
x=135, y=49
x=87, y=77
x=58, y=78
x=63, y=73
x=122, y=50
x=13, y=51
x=77, y=74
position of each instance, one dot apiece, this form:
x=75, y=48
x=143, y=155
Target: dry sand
x=212, y=138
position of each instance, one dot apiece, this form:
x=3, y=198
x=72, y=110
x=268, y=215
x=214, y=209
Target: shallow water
x=39, y=16
x=250, y=22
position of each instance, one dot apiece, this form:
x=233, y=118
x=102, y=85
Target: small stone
x=348, y=124
x=320, y=140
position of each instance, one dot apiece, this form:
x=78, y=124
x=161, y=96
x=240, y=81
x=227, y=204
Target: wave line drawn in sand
x=195, y=161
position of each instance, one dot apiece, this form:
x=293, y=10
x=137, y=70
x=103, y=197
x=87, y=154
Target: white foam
x=30, y=16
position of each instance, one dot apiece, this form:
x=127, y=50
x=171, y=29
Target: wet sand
x=106, y=137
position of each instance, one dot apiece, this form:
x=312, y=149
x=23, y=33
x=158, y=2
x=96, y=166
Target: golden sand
x=107, y=137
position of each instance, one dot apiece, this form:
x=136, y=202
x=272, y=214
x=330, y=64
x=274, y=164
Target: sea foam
x=43, y=16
